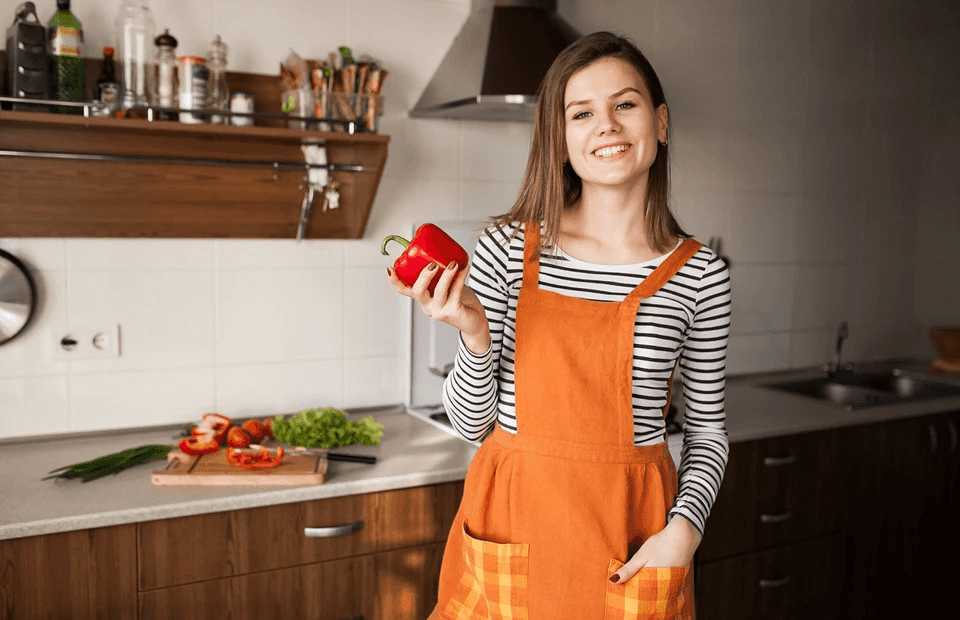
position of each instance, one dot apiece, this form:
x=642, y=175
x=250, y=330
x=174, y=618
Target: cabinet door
x=210, y=546
x=775, y=491
x=801, y=580
x=394, y=585
x=78, y=575
x=901, y=532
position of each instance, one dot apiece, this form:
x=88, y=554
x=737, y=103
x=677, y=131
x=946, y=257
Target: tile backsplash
x=820, y=141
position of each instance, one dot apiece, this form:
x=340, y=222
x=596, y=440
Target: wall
x=801, y=136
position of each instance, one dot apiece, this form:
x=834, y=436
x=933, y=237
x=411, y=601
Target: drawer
x=790, y=581
x=776, y=491
x=226, y=544
x=394, y=585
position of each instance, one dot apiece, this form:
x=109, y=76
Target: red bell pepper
x=199, y=444
x=429, y=245
x=262, y=460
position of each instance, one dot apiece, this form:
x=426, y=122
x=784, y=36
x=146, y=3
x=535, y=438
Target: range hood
x=496, y=63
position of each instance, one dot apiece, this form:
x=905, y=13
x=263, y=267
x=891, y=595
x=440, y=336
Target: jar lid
x=166, y=39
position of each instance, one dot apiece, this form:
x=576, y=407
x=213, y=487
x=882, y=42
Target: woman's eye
x=626, y=105
x=580, y=115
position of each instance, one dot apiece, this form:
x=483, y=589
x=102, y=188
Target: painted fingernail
x=614, y=578
x=389, y=272
x=431, y=266
x=452, y=264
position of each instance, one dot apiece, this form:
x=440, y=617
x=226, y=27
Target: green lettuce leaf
x=326, y=428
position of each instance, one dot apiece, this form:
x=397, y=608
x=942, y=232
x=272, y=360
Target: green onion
x=111, y=463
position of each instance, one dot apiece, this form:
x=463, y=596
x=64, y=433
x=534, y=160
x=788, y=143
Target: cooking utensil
x=18, y=295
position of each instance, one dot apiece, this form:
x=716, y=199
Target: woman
x=582, y=300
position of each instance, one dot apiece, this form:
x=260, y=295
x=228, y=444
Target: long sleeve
x=703, y=371
x=470, y=390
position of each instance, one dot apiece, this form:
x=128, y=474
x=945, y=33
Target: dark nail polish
x=615, y=578
x=389, y=272
x=452, y=264
x=431, y=267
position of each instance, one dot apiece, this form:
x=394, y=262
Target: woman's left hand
x=674, y=545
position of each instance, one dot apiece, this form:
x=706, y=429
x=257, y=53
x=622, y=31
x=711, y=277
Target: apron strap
x=666, y=270
x=531, y=257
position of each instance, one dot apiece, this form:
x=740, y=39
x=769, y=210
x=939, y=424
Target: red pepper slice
x=429, y=245
x=261, y=460
x=199, y=444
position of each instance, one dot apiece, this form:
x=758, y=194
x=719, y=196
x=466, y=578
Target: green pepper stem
x=398, y=239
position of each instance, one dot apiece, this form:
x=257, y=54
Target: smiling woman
x=580, y=304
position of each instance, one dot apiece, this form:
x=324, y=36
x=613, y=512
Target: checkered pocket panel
x=662, y=593
x=494, y=584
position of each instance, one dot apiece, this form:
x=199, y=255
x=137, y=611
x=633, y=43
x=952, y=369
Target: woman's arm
x=703, y=369
x=470, y=390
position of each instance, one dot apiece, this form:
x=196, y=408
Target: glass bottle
x=134, y=32
x=218, y=95
x=164, y=91
x=65, y=47
x=108, y=73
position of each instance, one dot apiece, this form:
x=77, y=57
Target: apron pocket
x=661, y=593
x=494, y=583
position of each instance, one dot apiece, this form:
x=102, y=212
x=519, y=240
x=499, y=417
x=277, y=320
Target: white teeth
x=610, y=150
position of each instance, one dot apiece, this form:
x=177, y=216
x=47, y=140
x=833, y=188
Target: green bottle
x=65, y=36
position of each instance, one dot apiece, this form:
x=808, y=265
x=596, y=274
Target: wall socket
x=85, y=343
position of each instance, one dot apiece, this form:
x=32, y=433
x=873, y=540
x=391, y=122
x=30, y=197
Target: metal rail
x=184, y=160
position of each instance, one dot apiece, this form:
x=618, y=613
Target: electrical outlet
x=85, y=343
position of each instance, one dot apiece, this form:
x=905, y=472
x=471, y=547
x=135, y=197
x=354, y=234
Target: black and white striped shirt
x=688, y=318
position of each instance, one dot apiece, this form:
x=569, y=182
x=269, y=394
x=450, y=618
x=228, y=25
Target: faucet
x=834, y=365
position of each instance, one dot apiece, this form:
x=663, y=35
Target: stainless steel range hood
x=496, y=63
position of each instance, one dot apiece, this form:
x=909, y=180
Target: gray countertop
x=411, y=454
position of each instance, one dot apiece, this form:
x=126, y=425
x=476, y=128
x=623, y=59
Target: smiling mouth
x=610, y=151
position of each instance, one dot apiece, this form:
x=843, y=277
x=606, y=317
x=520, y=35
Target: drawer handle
x=334, y=531
x=953, y=435
x=932, y=431
x=780, y=518
x=775, y=583
x=777, y=461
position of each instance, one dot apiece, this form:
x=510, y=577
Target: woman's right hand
x=452, y=302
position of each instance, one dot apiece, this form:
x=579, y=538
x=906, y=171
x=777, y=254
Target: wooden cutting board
x=213, y=469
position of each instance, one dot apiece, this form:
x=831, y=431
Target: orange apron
x=548, y=514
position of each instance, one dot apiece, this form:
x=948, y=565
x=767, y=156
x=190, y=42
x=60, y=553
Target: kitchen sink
x=855, y=390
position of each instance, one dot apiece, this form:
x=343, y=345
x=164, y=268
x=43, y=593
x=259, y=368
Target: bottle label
x=66, y=41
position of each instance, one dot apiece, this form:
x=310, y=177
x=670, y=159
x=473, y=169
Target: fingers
x=443, y=292
x=629, y=569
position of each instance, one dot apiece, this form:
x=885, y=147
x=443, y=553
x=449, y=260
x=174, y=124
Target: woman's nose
x=606, y=123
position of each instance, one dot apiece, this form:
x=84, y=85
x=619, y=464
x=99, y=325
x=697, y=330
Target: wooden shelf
x=189, y=198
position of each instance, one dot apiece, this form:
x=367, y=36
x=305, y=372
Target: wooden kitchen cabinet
x=873, y=512
x=259, y=560
x=389, y=585
x=85, y=574
x=64, y=175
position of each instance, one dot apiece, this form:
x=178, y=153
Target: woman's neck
x=607, y=225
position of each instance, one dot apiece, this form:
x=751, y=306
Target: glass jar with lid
x=218, y=94
x=164, y=92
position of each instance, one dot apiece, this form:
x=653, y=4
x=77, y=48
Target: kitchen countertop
x=411, y=454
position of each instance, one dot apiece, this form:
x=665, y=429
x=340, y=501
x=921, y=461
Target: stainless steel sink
x=855, y=390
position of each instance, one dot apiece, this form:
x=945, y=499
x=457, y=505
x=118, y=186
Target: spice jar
x=218, y=95
x=164, y=93
x=193, y=87
x=134, y=29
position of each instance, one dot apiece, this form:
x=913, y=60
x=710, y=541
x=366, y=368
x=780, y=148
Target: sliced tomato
x=268, y=427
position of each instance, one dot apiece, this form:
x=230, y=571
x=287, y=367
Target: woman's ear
x=663, y=116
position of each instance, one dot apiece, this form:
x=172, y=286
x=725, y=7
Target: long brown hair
x=550, y=183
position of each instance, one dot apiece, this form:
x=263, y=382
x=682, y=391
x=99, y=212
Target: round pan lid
x=18, y=297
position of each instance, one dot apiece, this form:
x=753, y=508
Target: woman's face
x=612, y=128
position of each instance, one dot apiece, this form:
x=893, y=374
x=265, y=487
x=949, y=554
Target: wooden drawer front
x=81, y=574
x=775, y=491
x=394, y=585
x=776, y=583
x=225, y=544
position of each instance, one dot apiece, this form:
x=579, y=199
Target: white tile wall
x=820, y=141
